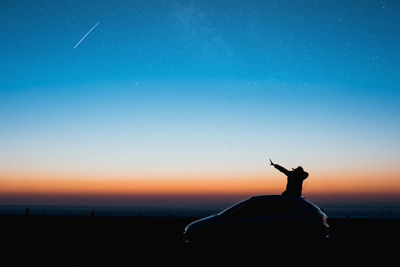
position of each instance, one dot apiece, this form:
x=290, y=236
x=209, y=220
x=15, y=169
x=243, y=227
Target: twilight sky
x=188, y=99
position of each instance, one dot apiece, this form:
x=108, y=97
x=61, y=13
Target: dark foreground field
x=144, y=241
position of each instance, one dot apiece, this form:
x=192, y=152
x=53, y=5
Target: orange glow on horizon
x=149, y=185
x=317, y=184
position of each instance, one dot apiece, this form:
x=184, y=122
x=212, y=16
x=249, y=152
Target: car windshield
x=233, y=208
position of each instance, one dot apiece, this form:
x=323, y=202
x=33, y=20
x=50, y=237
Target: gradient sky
x=187, y=100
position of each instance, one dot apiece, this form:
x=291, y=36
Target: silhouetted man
x=295, y=179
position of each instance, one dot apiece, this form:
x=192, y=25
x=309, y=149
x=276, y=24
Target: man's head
x=300, y=172
x=299, y=169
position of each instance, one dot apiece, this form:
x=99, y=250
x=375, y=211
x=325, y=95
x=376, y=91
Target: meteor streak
x=87, y=34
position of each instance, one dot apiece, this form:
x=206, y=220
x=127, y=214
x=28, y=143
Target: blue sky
x=330, y=42
x=199, y=86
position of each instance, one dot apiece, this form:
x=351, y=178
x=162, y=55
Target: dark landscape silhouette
x=128, y=241
x=285, y=229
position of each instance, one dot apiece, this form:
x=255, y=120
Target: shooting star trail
x=86, y=34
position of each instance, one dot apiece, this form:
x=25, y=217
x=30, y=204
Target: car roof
x=300, y=200
x=263, y=197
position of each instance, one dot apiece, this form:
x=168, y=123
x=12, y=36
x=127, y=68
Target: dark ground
x=144, y=241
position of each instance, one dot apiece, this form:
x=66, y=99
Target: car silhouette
x=265, y=219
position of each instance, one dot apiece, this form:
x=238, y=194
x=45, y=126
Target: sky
x=169, y=102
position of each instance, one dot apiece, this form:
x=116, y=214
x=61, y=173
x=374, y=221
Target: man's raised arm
x=279, y=167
